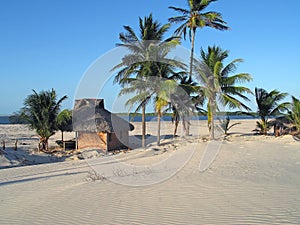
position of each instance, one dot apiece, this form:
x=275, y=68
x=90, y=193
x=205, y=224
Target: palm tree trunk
x=212, y=129
x=143, y=124
x=209, y=116
x=62, y=136
x=183, y=125
x=176, y=126
x=265, y=125
x=187, y=127
x=212, y=122
x=158, y=127
x=44, y=144
x=187, y=130
x=192, y=53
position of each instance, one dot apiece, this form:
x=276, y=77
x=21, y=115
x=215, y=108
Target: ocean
x=169, y=118
x=5, y=119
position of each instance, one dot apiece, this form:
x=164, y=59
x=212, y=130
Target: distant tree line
x=17, y=118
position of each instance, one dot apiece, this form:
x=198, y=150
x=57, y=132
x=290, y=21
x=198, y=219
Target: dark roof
x=90, y=115
x=282, y=120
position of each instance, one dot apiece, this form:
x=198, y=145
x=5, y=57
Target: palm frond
x=231, y=67
x=180, y=10
x=268, y=102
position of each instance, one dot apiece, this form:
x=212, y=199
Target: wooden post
x=76, y=140
x=16, y=145
x=107, y=140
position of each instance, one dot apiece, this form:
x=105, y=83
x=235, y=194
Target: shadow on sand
x=136, y=140
x=23, y=157
x=37, y=178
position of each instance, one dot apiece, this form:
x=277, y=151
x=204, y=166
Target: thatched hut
x=98, y=128
x=282, y=125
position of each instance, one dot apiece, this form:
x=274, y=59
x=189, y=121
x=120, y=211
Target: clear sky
x=48, y=44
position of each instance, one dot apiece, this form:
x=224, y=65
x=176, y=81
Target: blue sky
x=48, y=44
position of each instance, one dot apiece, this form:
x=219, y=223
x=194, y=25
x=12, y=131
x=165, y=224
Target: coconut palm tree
x=160, y=90
x=219, y=84
x=209, y=87
x=142, y=96
x=184, y=102
x=268, y=104
x=165, y=86
x=193, y=18
x=158, y=87
x=229, y=84
x=64, y=122
x=137, y=63
x=164, y=90
x=294, y=113
x=40, y=111
x=147, y=50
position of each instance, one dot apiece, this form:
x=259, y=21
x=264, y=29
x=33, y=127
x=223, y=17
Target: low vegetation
x=268, y=104
x=226, y=126
x=294, y=113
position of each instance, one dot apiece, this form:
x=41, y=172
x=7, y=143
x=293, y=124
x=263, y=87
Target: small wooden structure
x=282, y=126
x=98, y=128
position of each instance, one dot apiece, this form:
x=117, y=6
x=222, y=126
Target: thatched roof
x=282, y=121
x=89, y=115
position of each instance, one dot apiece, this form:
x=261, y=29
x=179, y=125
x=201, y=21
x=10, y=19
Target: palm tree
x=194, y=17
x=147, y=88
x=294, y=113
x=160, y=86
x=219, y=84
x=142, y=96
x=40, y=111
x=185, y=102
x=166, y=74
x=268, y=105
x=139, y=63
x=210, y=88
x=64, y=122
x=229, y=84
x=164, y=90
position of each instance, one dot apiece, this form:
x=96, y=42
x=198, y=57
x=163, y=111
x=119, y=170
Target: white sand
x=253, y=180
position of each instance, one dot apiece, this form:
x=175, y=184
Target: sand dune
x=252, y=180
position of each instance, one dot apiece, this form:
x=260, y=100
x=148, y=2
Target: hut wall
x=102, y=140
x=119, y=140
x=92, y=140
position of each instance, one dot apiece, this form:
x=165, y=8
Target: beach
x=242, y=179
